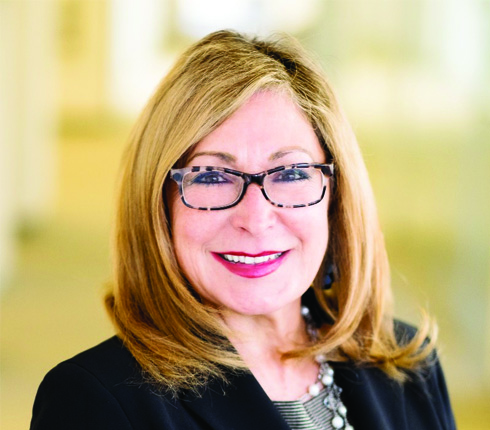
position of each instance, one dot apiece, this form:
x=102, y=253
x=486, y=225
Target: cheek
x=314, y=233
x=187, y=231
x=183, y=228
x=311, y=223
x=186, y=239
x=192, y=231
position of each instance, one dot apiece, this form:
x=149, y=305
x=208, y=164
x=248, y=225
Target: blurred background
x=413, y=77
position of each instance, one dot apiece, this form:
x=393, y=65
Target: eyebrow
x=289, y=150
x=224, y=156
x=229, y=158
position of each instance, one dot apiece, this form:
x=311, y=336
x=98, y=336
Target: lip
x=246, y=254
x=251, y=270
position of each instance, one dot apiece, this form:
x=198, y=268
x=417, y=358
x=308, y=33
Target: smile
x=246, y=259
x=251, y=266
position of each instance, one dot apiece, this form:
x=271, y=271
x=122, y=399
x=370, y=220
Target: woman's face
x=268, y=131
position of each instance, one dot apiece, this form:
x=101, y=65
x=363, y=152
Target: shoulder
x=101, y=388
x=422, y=400
x=404, y=332
x=110, y=362
x=108, y=365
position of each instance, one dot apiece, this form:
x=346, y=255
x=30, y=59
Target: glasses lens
x=211, y=189
x=295, y=186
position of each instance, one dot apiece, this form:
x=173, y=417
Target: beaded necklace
x=325, y=381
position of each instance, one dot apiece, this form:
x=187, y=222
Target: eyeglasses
x=214, y=188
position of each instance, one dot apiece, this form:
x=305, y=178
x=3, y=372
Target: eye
x=291, y=175
x=212, y=177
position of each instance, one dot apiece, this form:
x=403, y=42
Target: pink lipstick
x=251, y=265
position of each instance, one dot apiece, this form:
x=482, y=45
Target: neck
x=262, y=339
x=276, y=332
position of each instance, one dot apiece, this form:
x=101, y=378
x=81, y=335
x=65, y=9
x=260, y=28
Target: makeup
x=251, y=265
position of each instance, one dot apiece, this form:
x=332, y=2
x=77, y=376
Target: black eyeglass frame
x=250, y=178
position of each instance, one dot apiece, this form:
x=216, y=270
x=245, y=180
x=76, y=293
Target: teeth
x=250, y=260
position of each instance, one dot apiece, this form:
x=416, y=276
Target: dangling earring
x=330, y=276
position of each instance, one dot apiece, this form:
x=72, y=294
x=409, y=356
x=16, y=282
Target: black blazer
x=102, y=388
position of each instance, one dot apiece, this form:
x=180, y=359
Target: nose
x=254, y=213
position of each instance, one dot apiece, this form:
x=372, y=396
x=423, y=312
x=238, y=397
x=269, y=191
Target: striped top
x=309, y=415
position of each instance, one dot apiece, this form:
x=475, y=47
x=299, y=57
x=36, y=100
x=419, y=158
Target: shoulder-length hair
x=176, y=339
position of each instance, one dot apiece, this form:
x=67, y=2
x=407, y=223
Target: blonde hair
x=175, y=338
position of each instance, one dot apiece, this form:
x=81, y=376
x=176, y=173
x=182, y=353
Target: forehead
x=268, y=124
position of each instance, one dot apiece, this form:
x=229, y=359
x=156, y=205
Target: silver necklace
x=325, y=381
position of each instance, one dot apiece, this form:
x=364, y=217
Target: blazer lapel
x=240, y=405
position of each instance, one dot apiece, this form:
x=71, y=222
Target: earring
x=330, y=276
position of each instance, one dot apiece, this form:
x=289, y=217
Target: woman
x=243, y=191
